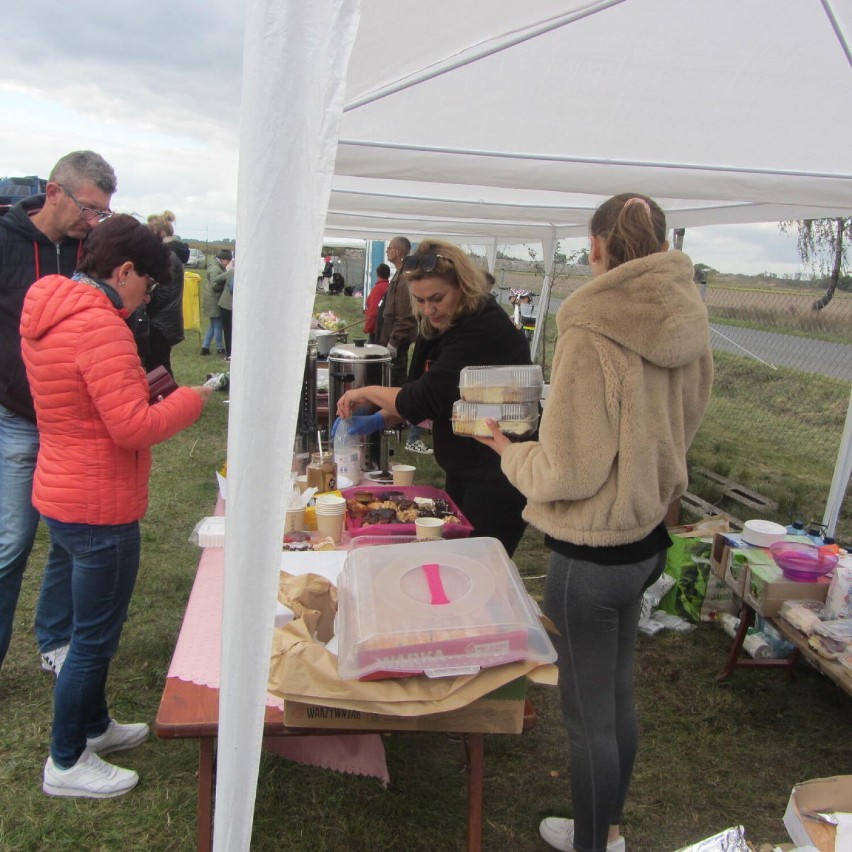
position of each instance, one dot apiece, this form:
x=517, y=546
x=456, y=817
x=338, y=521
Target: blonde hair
x=457, y=269
x=161, y=224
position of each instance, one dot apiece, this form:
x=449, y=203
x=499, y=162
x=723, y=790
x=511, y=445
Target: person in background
x=631, y=379
x=397, y=330
x=461, y=325
x=374, y=297
x=40, y=235
x=226, y=307
x=327, y=272
x=165, y=308
x=216, y=269
x=97, y=428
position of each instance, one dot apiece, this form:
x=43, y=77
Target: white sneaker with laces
x=418, y=447
x=52, y=661
x=559, y=833
x=118, y=738
x=89, y=778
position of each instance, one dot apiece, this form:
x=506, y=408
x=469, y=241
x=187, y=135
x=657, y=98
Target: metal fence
x=767, y=340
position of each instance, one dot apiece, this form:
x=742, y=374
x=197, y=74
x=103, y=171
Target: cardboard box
x=820, y=794
x=729, y=561
x=736, y=569
x=767, y=588
x=720, y=554
x=499, y=712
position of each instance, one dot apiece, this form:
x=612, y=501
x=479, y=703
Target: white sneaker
x=118, y=738
x=51, y=661
x=418, y=447
x=559, y=833
x=90, y=778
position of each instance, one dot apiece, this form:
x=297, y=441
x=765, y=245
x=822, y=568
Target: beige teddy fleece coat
x=630, y=382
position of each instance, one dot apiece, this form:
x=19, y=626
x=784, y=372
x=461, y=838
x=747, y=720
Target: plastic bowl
x=803, y=562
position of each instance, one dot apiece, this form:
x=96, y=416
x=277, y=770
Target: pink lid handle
x=436, y=587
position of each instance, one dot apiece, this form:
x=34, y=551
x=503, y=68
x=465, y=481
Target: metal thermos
x=357, y=365
x=306, y=427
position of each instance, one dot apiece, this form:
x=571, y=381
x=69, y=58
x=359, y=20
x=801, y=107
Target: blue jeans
x=18, y=518
x=101, y=563
x=215, y=328
x=596, y=610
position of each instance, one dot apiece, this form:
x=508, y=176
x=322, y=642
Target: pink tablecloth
x=196, y=659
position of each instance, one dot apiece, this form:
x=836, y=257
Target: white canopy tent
x=493, y=122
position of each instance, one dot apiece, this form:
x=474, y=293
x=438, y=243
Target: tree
x=822, y=244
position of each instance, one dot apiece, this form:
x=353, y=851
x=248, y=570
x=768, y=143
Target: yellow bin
x=191, y=300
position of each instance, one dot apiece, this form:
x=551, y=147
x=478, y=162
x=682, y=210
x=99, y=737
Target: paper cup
x=294, y=520
x=428, y=528
x=403, y=474
x=302, y=482
x=330, y=503
x=331, y=525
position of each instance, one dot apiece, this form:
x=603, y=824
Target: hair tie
x=637, y=200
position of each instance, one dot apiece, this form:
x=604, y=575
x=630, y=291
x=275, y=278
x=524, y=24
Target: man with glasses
x=41, y=235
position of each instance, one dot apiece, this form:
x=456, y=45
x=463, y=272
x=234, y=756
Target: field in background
x=710, y=756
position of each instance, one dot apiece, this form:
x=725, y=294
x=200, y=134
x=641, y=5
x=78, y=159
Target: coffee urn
x=306, y=427
x=357, y=365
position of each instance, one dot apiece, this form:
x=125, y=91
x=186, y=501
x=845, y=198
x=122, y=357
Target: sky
x=155, y=88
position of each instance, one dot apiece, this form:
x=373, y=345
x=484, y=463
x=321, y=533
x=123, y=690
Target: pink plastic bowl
x=802, y=562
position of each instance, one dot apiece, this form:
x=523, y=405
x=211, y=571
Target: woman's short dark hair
x=631, y=225
x=119, y=239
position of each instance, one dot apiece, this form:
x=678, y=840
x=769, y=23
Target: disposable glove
x=366, y=424
x=392, y=349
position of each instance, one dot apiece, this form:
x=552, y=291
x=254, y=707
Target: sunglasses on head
x=423, y=262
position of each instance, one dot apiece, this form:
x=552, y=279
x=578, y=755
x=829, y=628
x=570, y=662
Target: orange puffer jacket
x=91, y=400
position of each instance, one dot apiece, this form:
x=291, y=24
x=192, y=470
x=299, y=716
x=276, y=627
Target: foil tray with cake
x=393, y=510
x=442, y=608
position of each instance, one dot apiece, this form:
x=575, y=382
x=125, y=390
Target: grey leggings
x=596, y=610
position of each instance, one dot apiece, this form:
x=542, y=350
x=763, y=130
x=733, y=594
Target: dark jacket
x=486, y=337
x=26, y=254
x=396, y=324
x=165, y=310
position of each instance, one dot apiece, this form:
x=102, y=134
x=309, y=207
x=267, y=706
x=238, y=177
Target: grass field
x=711, y=755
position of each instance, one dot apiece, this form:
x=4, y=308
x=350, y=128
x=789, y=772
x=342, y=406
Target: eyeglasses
x=88, y=214
x=426, y=263
x=150, y=284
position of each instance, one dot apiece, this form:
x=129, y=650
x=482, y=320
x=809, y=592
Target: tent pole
x=548, y=248
x=842, y=473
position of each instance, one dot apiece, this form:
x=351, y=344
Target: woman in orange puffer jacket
x=96, y=426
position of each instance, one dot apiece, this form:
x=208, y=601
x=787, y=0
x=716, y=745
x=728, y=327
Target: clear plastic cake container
x=439, y=608
x=516, y=419
x=521, y=383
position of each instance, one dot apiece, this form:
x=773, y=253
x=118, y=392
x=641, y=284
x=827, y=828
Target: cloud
x=155, y=88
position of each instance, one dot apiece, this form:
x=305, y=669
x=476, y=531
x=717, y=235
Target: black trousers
x=227, y=328
x=492, y=506
x=158, y=352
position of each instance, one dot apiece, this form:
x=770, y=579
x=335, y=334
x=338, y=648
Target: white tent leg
x=548, y=248
x=842, y=473
x=292, y=102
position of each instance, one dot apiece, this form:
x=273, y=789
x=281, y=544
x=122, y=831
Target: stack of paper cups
x=331, y=515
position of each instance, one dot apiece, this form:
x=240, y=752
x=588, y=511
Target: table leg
x=475, y=750
x=746, y=620
x=204, y=813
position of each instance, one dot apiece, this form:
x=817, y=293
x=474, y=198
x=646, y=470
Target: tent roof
x=515, y=121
